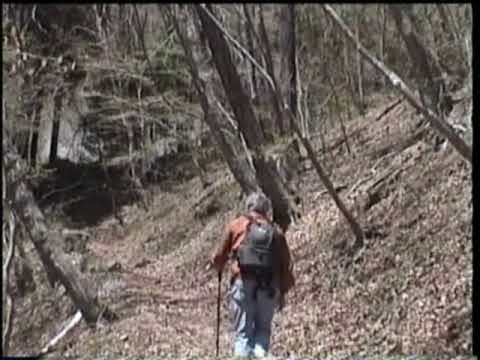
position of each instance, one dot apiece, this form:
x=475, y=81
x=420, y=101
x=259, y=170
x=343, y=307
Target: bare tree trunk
x=145, y=138
x=293, y=63
x=450, y=26
x=349, y=78
x=302, y=111
x=287, y=68
x=359, y=66
x=32, y=145
x=254, y=92
x=56, y=264
x=242, y=174
x=383, y=38
x=125, y=32
x=346, y=62
x=245, y=117
x=238, y=133
x=9, y=307
x=57, y=113
x=429, y=74
x=339, y=113
x=354, y=225
x=453, y=21
x=437, y=123
x=446, y=24
x=276, y=103
x=231, y=81
x=8, y=304
x=140, y=26
x=251, y=49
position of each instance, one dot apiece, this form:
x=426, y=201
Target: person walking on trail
x=261, y=274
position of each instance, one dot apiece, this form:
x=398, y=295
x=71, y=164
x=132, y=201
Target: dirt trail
x=408, y=291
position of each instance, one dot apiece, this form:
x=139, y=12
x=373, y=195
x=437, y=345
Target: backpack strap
x=251, y=220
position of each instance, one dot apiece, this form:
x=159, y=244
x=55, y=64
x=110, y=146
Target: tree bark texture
x=428, y=72
x=56, y=264
x=251, y=49
x=8, y=303
x=354, y=225
x=293, y=62
x=274, y=93
x=239, y=169
x=231, y=81
x=359, y=63
x=245, y=116
x=287, y=46
x=57, y=114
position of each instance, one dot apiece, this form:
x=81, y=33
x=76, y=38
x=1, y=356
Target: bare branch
x=8, y=236
x=70, y=325
x=355, y=226
x=244, y=177
x=238, y=46
x=250, y=23
x=239, y=133
x=437, y=123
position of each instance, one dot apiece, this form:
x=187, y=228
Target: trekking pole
x=218, y=312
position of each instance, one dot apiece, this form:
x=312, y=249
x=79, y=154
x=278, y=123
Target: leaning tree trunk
x=276, y=101
x=231, y=81
x=354, y=225
x=249, y=29
x=57, y=265
x=240, y=170
x=437, y=123
x=287, y=46
x=245, y=116
x=429, y=74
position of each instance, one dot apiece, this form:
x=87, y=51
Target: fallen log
x=58, y=267
x=388, y=109
x=399, y=146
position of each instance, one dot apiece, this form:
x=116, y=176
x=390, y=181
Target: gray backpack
x=256, y=254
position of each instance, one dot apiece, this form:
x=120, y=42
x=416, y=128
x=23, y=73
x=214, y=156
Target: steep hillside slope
x=408, y=291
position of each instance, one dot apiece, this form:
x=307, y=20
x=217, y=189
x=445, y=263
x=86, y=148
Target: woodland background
x=112, y=114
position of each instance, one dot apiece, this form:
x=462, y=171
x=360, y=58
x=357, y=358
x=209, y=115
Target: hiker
x=256, y=290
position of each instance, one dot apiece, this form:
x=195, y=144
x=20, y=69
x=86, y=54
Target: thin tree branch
x=70, y=325
x=238, y=46
x=250, y=23
x=9, y=244
x=437, y=123
x=239, y=133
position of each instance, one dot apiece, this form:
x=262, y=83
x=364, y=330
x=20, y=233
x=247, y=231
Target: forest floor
x=408, y=291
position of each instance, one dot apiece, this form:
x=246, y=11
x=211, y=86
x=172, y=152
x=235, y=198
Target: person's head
x=260, y=203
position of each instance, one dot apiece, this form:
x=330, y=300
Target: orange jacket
x=234, y=234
